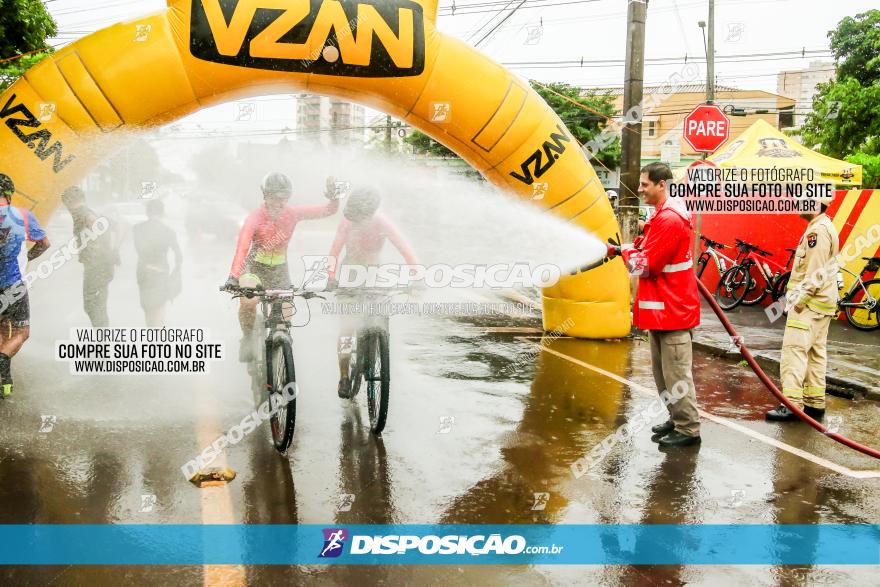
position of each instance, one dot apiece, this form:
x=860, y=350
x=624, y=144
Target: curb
x=835, y=385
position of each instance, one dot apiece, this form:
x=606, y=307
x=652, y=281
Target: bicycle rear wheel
x=732, y=287
x=866, y=316
x=781, y=285
x=282, y=393
x=377, y=375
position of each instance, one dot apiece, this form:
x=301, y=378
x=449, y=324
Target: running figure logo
x=334, y=542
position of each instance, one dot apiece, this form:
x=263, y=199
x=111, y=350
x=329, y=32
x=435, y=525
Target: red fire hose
x=772, y=387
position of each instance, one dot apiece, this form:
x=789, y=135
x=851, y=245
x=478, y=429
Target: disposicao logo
x=334, y=542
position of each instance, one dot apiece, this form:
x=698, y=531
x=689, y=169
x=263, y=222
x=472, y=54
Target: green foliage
x=425, y=145
x=856, y=47
x=844, y=118
x=24, y=27
x=12, y=70
x=870, y=168
x=586, y=121
x=583, y=123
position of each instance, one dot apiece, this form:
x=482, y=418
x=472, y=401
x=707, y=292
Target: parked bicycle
x=861, y=302
x=754, y=278
x=713, y=251
x=272, y=370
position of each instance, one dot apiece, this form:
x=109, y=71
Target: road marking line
x=719, y=420
x=216, y=502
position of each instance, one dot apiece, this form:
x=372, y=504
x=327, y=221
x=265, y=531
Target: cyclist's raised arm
x=338, y=244
x=399, y=242
x=315, y=212
x=243, y=247
x=35, y=233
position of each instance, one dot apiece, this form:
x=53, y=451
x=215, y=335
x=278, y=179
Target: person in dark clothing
x=158, y=283
x=97, y=253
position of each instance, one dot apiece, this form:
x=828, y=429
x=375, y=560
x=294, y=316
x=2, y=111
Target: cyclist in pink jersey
x=362, y=233
x=261, y=252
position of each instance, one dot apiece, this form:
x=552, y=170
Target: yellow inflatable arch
x=58, y=120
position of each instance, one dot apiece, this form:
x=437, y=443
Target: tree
x=584, y=113
x=870, y=168
x=844, y=118
x=425, y=145
x=24, y=27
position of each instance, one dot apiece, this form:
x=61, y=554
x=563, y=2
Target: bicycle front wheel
x=282, y=393
x=377, y=374
x=732, y=287
x=865, y=315
x=755, y=293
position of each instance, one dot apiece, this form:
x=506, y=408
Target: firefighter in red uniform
x=667, y=304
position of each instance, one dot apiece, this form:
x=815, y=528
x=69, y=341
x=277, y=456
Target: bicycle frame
x=851, y=292
x=770, y=270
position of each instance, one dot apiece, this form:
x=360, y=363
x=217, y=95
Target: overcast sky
x=589, y=29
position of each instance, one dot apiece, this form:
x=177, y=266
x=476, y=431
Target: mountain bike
x=861, y=302
x=370, y=360
x=274, y=360
x=713, y=251
x=754, y=278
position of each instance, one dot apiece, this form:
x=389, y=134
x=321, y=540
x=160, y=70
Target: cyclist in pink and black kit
x=261, y=252
x=363, y=233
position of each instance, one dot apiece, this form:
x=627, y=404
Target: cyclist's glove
x=231, y=283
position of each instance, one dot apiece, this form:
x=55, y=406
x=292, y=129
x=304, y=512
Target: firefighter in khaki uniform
x=812, y=297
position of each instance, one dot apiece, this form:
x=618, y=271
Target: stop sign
x=706, y=128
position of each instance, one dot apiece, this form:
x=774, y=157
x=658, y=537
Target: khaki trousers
x=672, y=362
x=804, y=358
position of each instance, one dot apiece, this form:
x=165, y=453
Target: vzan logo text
x=38, y=141
x=370, y=38
x=536, y=165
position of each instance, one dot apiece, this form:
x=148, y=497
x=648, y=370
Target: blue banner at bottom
x=440, y=544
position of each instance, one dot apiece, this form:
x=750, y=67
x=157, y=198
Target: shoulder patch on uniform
x=812, y=238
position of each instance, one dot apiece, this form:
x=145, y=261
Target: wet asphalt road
x=484, y=415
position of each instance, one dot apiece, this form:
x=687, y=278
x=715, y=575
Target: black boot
x=344, y=389
x=661, y=430
x=664, y=428
x=814, y=413
x=781, y=414
x=677, y=439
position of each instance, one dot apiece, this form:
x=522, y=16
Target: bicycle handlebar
x=710, y=243
x=744, y=245
x=259, y=292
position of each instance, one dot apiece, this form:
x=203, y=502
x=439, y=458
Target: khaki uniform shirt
x=814, y=274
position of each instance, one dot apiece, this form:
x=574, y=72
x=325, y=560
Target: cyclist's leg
x=344, y=348
x=14, y=332
x=247, y=316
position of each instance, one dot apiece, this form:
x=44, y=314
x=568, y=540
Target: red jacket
x=668, y=298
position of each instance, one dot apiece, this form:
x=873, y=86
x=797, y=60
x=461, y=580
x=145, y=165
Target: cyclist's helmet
x=362, y=204
x=7, y=186
x=277, y=186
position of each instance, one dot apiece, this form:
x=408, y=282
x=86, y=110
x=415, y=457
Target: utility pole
x=631, y=139
x=388, y=133
x=709, y=40
x=710, y=55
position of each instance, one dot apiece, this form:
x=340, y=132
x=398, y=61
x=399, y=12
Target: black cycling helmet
x=7, y=186
x=277, y=186
x=362, y=204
